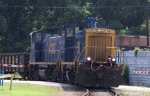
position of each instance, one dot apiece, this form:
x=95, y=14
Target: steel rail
x=87, y=93
x=112, y=91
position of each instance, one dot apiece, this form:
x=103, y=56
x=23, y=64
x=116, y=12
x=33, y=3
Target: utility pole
x=147, y=23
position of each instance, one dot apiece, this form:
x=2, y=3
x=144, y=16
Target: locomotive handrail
x=46, y=50
x=113, y=47
x=122, y=58
x=58, y=54
x=71, y=47
x=123, y=61
x=79, y=55
x=82, y=52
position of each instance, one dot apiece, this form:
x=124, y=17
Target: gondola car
x=81, y=53
x=14, y=62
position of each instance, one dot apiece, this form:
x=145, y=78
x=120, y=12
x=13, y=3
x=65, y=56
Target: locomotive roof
x=45, y=30
x=98, y=25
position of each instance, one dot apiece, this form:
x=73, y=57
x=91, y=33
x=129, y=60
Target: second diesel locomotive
x=81, y=53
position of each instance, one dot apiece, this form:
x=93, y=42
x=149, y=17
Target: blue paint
x=1, y=79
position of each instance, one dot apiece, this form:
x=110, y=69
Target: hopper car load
x=80, y=53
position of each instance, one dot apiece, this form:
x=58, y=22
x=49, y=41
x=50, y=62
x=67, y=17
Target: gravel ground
x=124, y=90
x=72, y=90
x=133, y=88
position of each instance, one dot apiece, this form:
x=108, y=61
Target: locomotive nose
x=100, y=76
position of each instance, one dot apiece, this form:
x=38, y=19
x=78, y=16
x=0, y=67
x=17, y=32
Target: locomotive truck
x=81, y=53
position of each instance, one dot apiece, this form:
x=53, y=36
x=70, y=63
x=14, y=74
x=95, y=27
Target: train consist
x=81, y=53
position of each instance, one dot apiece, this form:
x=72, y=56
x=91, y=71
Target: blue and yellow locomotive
x=81, y=53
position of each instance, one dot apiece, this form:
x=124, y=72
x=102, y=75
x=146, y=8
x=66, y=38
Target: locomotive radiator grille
x=98, y=47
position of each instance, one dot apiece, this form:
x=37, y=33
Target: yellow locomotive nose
x=99, y=44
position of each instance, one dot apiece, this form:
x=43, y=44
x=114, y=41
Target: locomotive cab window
x=55, y=35
x=46, y=34
x=77, y=29
x=50, y=35
x=38, y=37
x=69, y=31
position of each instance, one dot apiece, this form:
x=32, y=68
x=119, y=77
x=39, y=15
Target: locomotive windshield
x=38, y=37
x=77, y=29
x=54, y=35
x=69, y=31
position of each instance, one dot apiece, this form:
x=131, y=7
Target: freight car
x=81, y=53
x=14, y=62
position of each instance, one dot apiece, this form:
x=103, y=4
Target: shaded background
x=20, y=17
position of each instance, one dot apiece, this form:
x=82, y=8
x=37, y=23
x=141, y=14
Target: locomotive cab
x=69, y=31
x=37, y=39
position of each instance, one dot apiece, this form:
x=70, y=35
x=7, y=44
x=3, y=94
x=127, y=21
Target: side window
x=69, y=31
x=50, y=35
x=54, y=35
x=77, y=29
x=38, y=37
x=46, y=35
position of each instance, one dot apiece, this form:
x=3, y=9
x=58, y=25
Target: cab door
x=69, y=43
x=35, y=47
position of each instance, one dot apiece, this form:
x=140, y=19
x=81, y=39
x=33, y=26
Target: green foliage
x=138, y=30
x=16, y=75
x=126, y=75
x=18, y=18
x=25, y=89
x=136, y=49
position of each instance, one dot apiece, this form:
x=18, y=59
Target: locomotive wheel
x=37, y=78
x=36, y=75
x=54, y=75
x=70, y=76
x=23, y=76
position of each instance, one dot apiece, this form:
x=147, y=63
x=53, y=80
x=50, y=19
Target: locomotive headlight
x=94, y=30
x=107, y=31
x=88, y=58
x=113, y=59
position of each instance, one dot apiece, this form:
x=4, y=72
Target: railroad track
x=92, y=92
x=114, y=93
x=87, y=93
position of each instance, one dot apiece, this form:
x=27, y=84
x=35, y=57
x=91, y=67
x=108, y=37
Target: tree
x=20, y=17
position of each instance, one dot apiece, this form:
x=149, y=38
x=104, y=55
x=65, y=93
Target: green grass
x=16, y=75
x=24, y=89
